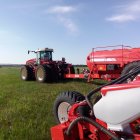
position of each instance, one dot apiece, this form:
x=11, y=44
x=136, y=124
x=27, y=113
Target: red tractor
x=113, y=116
x=44, y=69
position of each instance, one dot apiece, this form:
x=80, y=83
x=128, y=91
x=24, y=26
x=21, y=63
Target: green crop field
x=26, y=107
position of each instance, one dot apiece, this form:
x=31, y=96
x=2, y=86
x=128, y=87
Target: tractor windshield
x=46, y=55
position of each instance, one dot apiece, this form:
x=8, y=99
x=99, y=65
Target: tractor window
x=46, y=55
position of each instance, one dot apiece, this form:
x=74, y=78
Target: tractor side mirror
x=28, y=51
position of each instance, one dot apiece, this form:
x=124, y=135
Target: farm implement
x=113, y=116
x=102, y=64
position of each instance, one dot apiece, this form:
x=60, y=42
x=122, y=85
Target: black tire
x=62, y=71
x=72, y=70
x=26, y=73
x=42, y=73
x=54, y=74
x=63, y=103
x=129, y=68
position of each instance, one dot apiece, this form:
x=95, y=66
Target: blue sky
x=71, y=27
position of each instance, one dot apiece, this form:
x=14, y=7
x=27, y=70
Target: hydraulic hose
x=103, y=129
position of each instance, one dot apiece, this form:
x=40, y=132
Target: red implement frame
x=84, y=130
x=99, y=60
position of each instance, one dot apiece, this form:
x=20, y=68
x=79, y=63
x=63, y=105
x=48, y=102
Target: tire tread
x=70, y=97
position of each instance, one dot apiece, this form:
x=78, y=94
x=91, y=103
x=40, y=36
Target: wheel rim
x=40, y=74
x=23, y=73
x=63, y=109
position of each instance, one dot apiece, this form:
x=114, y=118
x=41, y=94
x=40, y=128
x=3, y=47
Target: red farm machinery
x=111, y=63
x=44, y=69
x=113, y=116
x=102, y=64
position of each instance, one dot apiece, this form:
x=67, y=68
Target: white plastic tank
x=119, y=107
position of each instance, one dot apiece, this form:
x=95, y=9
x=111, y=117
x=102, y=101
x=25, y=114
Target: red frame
x=133, y=84
x=86, y=131
x=123, y=56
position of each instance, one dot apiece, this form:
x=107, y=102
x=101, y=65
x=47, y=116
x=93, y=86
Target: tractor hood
x=31, y=61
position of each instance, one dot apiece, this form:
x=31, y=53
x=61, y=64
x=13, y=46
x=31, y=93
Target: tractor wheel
x=72, y=70
x=26, y=73
x=43, y=73
x=129, y=68
x=54, y=74
x=63, y=103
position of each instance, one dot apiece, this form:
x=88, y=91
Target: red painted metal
x=86, y=131
x=80, y=76
x=102, y=64
x=116, y=56
x=58, y=133
x=107, y=64
x=134, y=84
x=82, y=131
x=111, y=61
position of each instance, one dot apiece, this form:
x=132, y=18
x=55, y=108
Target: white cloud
x=121, y=18
x=68, y=23
x=133, y=7
x=64, y=15
x=126, y=13
x=61, y=9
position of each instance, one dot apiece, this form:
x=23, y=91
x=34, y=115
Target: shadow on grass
x=95, y=81
x=73, y=80
x=99, y=82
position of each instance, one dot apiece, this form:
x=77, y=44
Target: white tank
x=119, y=107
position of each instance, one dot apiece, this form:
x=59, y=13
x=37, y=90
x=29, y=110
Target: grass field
x=26, y=107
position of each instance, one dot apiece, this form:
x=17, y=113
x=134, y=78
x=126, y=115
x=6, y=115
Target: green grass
x=26, y=107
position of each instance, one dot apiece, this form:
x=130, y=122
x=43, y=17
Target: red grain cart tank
x=113, y=62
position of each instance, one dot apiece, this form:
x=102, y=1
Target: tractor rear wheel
x=129, y=68
x=54, y=74
x=42, y=73
x=63, y=103
x=26, y=73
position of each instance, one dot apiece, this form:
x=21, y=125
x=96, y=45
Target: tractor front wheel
x=26, y=73
x=63, y=103
x=42, y=74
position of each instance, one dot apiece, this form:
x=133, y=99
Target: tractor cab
x=44, y=55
